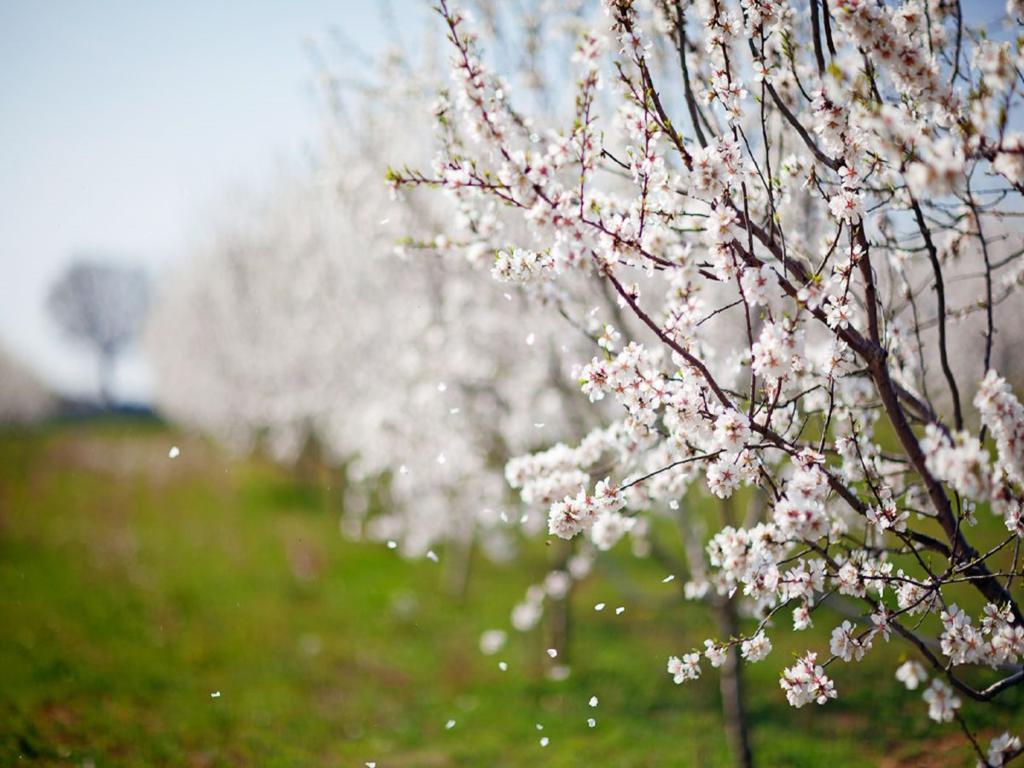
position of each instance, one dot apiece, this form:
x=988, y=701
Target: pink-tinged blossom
x=806, y=682
x=715, y=653
x=732, y=430
x=1000, y=749
x=759, y=285
x=1009, y=159
x=686, y=668
x=777, y=352
x=756, y=648
x=609, y=528
x=847, y=206
x=523, y=267
x=723, y=475
x=802, y=618
x=886, y=515
x=848, y=643
x=911, y=673
x=959, y=461
x=942, y=702
x=1003, y=414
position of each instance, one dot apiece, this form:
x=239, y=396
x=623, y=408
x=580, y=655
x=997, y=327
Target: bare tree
x=102, y=306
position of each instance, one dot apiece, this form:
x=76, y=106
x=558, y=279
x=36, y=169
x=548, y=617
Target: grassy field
x=133, y=588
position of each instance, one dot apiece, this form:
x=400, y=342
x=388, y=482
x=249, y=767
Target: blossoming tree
x=793, y=199
x=282, y=332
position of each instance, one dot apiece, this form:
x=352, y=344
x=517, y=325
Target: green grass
x=133, y=586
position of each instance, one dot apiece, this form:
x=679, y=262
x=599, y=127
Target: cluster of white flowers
x=911, y=674
x=522, y=266
x=546, y=477
x=847, y=205
x=959, y=460
x=830, y=122
x=886, y=36
x=781, y=324
x=1003, y=414
x=1002, y=748
x=778, y=351
x=999, y=640
x=756, y=648
x=942, y=702
x=847, y=644
x=685, y=668
x=801, y=513
x=580, y=512
x=633, y=376
x=886, y=514
x=715, y=167
x=748, y=557
x=806, y=682
x=1009, y=159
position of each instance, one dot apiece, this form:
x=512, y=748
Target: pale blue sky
x=121, y=121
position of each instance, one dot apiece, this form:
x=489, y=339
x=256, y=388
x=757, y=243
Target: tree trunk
x=730, y=682
x=459, y=566
x=559, y=615
x=106, y=379
x=308, y=463
x=734, y=708
x=559, y=625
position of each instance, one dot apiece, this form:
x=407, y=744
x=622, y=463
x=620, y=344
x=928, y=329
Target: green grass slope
x=134, y=587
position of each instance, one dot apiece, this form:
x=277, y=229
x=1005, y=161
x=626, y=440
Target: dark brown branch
x=940, y=292
x=961, y=551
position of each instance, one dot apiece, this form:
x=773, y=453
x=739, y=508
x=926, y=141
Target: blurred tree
x=102, y=306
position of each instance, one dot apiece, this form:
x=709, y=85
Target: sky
x=122, y=121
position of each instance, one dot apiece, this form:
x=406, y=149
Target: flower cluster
x=788, y=267
x=1003, y=414
x=999, y=640
x=521, y=267
x=581, y=512
x=806, y=682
